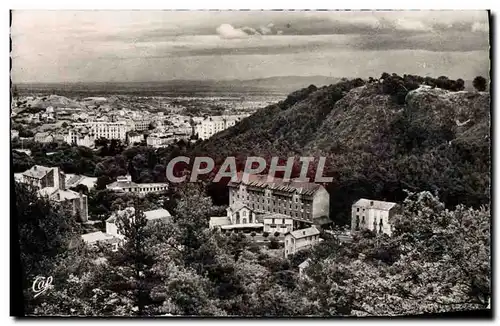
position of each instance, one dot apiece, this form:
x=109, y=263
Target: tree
x=45, y=236
x=274, y=244
x=276, y=234
x=131, y=264
x=265, y=234
x=253, y=234
x=480, y=83
x=442, y=263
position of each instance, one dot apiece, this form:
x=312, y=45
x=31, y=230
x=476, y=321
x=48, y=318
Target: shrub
x=276, y=234
x=479, y=83
x=265, y=234
x=274, y=244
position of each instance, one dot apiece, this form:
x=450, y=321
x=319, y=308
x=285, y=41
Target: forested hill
x=380, y=137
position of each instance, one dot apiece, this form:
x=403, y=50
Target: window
x=357, y=209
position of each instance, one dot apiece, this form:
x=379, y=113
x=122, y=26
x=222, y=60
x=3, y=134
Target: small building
x=99, y=237
x=125, y=184
x=302, y=267
x=218, y=221
x=240, y=213
x=73, y=180
x=14, y=134
x=76, y=202
x=300, y=239
x=134, y=137
x=153, y=215
x=374, y=215
x=51, y=183
x=43, y=137
x=42, y=176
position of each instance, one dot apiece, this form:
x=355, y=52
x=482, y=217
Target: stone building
x=51, y=183
x=306, y=203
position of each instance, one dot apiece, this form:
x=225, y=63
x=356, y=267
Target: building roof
x=59, y=194
x=122, y=184
x=302, y=233
x=241, y=226
x=305, y=263
x=37, y=171
x=73, y=180
x=18, y=177
x=42, y=134
x=377, y=204
x=94, y=237
x=260, y=181
x=237, y=206
x=150, y=215
x=157, y=214
x=156, y=184
x=276, y=215
x=219, y=221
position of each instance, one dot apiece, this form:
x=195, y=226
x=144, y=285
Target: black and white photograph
x=250, y=163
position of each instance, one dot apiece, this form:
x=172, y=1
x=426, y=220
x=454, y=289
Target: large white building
x=304, y=202
x=103, y=129
x=373, y=215
x=141, y=124
x=160, y=139
x=277, y=206
x=209, y=126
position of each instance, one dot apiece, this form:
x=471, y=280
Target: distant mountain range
x=278, y=85
x=281, y=85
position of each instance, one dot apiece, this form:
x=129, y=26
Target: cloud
x=229, y=32
x=55, y=45
x=411, y=25
x=480, y=27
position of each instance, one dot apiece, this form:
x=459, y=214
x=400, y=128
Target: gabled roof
x=122, y=184
x=377, y=204
x=305, y=263
x=150, y=215
x=94, y=237
x=157, y=214
x=37, y=171
x=63, y=195
x=219, y=221
x=278, y=184
x=237, y=206
x=302, y=233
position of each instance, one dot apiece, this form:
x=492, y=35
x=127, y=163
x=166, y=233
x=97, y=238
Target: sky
x=121, y=46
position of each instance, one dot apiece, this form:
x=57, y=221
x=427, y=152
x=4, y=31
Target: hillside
x=437, y=140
